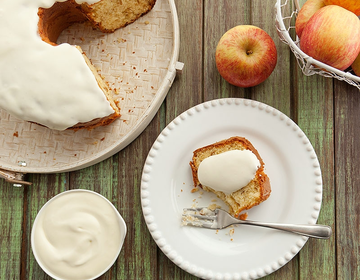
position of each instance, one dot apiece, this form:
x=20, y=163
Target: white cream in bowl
x=78, y=234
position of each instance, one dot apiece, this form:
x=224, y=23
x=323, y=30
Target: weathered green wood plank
x=11, y=219
x=347, y=180
x=220, y=16
x=315, y=115
x=276, y=90
x=314, y=103
x=185, y=92
x=139, y=258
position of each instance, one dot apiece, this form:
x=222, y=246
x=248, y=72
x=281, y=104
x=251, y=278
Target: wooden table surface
x=327, y=110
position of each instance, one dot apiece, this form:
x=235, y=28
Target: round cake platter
x=139, y=62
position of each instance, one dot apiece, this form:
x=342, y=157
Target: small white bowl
x=78, y=234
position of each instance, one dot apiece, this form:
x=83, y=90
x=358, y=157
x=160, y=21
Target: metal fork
x=220, y=219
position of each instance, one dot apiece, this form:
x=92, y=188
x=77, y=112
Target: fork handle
x=316, y=231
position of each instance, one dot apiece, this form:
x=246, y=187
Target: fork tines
x=204, y=211
x=201, y=216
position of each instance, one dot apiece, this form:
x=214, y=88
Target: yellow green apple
x=245, y=56
x=351, y=5
x=356, y=66
x=309, y=8
x=332, y=36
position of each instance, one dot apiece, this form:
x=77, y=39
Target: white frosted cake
x=55, y=85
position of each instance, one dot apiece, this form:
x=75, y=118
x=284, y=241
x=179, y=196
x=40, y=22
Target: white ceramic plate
x=242, y=252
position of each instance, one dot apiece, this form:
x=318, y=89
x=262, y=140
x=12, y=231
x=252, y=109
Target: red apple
x=306, y=12
x=332, y=36
x=245, y=56
x=351, y=5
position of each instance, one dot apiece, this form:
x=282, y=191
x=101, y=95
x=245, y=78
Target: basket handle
x=17, y=179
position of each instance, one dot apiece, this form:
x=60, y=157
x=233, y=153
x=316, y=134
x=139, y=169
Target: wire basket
x=286, y=12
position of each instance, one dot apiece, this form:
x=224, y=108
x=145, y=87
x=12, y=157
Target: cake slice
x=256, y=190
x=106, y=15
x=109, y=15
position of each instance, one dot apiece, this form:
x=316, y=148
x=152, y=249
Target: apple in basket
x=351, y=5
x=245, y=56
x=332, y=36
x=356, y=66
x=309, y=8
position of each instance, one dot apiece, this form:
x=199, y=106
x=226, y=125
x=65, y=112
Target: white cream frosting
x=229, y=171
x=77, y=235
x=49, y=85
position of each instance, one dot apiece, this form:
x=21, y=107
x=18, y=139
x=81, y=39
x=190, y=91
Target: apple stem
x=249, y=52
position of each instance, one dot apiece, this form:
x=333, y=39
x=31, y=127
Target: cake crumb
x=147, y=22
x=16, y=134
x=194, y=204
x=214, y=206
x=243, y=216
x=194, y=190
